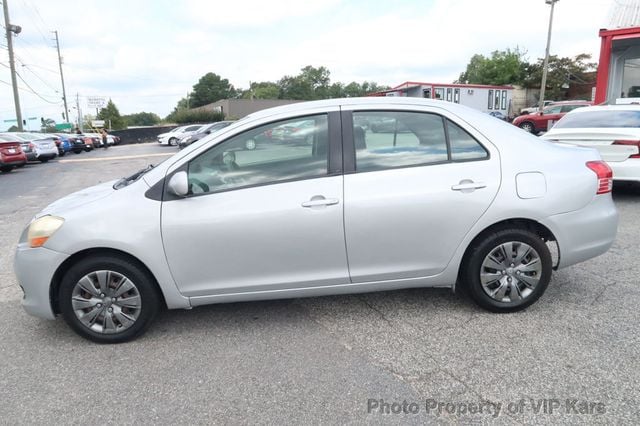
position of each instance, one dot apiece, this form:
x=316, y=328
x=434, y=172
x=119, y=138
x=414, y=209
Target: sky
x=147, y=54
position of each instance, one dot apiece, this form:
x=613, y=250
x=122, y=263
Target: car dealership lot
x=325, y=359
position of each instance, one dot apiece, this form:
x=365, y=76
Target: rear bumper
x=628, y=170
x=13, y=162
x=585, y=233
x=34, y=268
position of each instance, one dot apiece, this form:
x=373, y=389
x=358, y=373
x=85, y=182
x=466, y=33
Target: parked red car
x=11, y=155
x=539, y=121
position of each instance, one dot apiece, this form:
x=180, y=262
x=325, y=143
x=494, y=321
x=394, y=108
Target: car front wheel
x=527, y=127
x=507, y=270
x=173, y=141
x=108, y=299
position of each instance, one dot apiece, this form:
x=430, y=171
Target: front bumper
x=34, y=268
x=585, y=233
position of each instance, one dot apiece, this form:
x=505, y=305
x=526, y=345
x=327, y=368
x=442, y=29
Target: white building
x=481, y=97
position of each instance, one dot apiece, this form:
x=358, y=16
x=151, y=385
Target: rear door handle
x=319, y=200
x=468, y=185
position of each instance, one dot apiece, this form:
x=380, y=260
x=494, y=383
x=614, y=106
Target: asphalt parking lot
x=570, y=358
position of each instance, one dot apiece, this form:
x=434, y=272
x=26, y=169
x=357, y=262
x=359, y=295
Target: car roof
x=382, y=100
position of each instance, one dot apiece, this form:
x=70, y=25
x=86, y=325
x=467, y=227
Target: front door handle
x=467, y=185
x=319, y=200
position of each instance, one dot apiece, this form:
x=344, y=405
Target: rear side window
x=463, y=145
x=392, y=139
x=596, y=119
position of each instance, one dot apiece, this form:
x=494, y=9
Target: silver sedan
x=303, y=200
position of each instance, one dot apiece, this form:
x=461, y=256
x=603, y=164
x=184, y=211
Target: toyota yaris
x=455, y=199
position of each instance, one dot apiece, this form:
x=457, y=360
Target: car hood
x=78, y=199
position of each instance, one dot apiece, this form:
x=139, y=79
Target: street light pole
x=546, y=56
x=12, y=65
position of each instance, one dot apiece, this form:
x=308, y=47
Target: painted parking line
x=121, y=157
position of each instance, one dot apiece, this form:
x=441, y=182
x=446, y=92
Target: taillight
x=629, y=143
x=605, y=175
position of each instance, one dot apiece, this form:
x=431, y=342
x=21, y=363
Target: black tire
x=77, y=151
x=149, y=296
x=172, y=141
x=6, y=169
x=44, y=160
x=527, y=126
x=472, y=267
x=88, y=149
x=61, y=154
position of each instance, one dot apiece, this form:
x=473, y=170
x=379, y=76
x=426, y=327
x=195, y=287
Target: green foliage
x=311, y=83
x=510, y=67
x=210, y=88
x=561, y=72
x=186, y=116
x=141, y=119
x=262, y=90
x=503, y=67
x=111, y=114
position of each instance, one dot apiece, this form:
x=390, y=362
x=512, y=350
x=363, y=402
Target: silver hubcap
x=510, y=272
x=106, y=302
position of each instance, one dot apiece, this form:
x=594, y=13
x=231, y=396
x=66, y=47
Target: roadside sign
x=64, y=126
x=97, y=123
x=96, y=101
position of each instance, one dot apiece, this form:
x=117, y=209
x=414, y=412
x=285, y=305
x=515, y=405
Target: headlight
x=42, y=229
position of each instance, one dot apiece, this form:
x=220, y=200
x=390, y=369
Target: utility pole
x=546, y=56
x=14, y=82
x=64, y=93
x=79, y=112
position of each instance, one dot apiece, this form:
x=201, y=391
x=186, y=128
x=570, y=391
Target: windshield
x=596, y=119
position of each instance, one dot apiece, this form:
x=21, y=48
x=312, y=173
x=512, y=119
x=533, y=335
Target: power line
x=34, y=92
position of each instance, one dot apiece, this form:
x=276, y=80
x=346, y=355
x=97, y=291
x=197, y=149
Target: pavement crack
x=376, y=310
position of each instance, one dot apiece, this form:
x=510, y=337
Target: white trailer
x=481, y=97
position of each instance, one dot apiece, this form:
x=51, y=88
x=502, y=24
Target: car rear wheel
x=507, y=270
x=527, y=126
x=108, y=299
x=6, y=169
x=43, y=160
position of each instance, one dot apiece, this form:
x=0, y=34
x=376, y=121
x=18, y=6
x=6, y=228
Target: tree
x=503, y=67
x=141, y=119
x=561, y=73
x=210, y=88
x=110, y=114
x=262, y=90
x=311, y=83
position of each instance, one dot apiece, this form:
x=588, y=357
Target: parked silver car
x=37, y=146
x=457, y=199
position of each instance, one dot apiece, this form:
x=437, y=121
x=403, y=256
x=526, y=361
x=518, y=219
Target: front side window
x=490, y=105
x=553, y=109
x=276, y=152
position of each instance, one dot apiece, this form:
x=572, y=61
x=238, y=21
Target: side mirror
x=179, y=184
